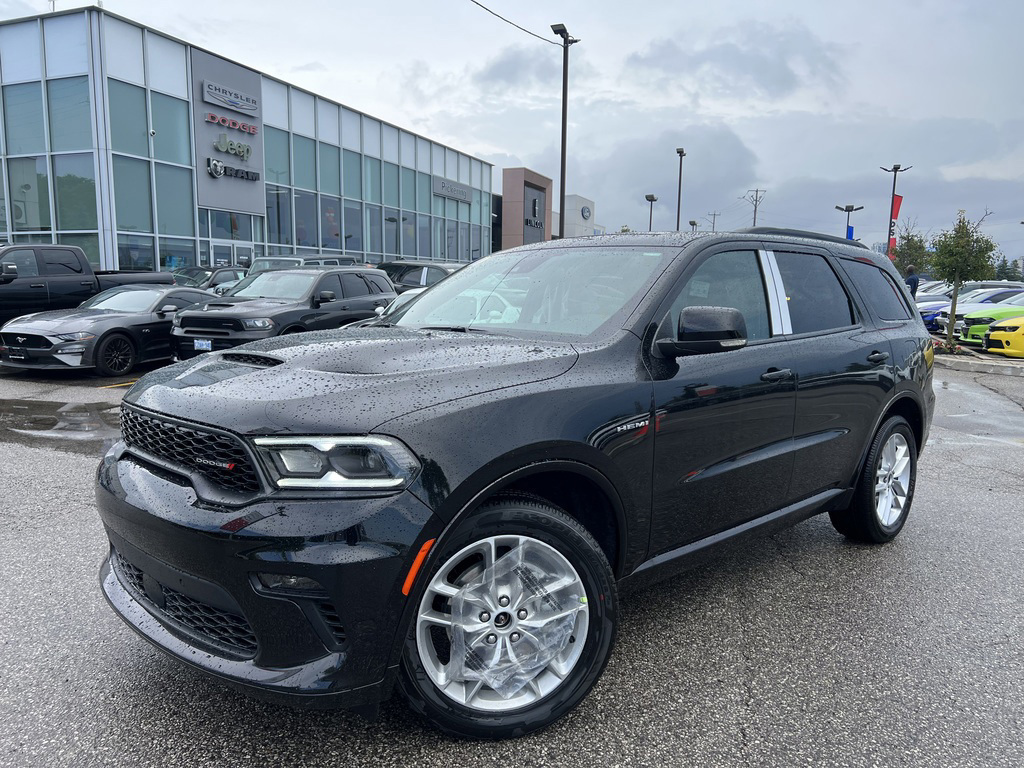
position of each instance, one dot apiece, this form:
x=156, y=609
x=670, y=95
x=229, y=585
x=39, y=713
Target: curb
x=974, y=366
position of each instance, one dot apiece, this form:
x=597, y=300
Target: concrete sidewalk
x=977, y=364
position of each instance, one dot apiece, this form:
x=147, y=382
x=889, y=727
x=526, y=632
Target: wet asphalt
x=799, y=649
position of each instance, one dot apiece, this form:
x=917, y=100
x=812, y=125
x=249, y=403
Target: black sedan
x=111, y=332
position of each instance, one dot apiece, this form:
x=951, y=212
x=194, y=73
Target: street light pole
x=693, y=225
x=650, y=199
x=562, y=32
x=848, y=209
x=679, y=197
x=891, y=228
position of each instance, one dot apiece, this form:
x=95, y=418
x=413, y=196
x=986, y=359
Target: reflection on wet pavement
x=84, y=428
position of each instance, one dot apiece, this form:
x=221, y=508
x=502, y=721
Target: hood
x=63, y=320
x=242, y=306
x=962, y=309
x=348, y=381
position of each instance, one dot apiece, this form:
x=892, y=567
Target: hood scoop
x=259, y=361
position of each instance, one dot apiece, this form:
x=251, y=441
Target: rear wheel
x=115, y=356
x=885, y=489
x=514, y=625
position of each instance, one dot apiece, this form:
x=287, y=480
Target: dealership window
x=129, y=128
x=408, y=156
x=474, y=243
x=463, y=241
x=305, y=162
x=391, y=231
x=408, y=233
x=330, y=169
x=30, y=193
x=436, y=160
x=422, y=155
x=88, y=243
x=353, y=175
x=463, y=212
x=74, y=186
x=485, y=210
x=37, y=239
x=305, y=219
x=423, y=236
x=438, y=239
x=3, y=204
x=23, y=118
x=371, y=175
x=390, y=147
x=390, y=184
x=135, y=252
x=70, y=116
x=451, y=240
x=231, y=226
x=330, y=222
x=423, y=193
x=371, y=137
x=353, y=226
x=279, y=215
x=170, y=124
x=204, y=222
x=374, y=242
x=175, y=254
x=409, y=189
x=133, y=199
x=351, y=132
x=438, y=205
x=174, y=204
x=275, y=155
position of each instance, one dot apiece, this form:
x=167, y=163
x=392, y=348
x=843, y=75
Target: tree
x=1013, y=272
x=1001, y=269
x=625, y=228
x=910, y=249
x=962, y=253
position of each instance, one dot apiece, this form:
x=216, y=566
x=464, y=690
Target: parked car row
x=115, y=330
x=989, y=315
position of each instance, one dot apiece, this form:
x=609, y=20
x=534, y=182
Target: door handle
x=37, y=285
x=776, y=374
x=878, y=357
x=86, y=282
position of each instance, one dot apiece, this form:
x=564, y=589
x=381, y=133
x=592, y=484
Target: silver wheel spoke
x=471, y=586
x=892, y=479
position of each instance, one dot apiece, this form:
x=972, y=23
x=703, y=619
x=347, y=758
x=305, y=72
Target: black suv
x=452, y=500
x=281, y=302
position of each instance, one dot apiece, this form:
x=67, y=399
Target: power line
x=714, y=216
x=543, y=39
x=755, y=198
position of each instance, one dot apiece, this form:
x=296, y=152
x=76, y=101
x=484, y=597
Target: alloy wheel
x=892, y=479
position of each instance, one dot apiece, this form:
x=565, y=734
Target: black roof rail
x=800, y=233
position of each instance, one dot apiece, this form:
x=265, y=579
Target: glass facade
x=110, y=164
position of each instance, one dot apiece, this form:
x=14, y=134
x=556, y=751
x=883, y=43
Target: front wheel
x=885, y=489
x=115, y=356
x=514, y=625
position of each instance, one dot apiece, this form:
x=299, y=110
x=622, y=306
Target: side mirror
x=324, y=296
x=378, y=311
x=703, y=330
x=167, y=309
x=9, y=273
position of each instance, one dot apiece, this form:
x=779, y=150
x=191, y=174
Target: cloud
x=312, y=66
x=747, y=60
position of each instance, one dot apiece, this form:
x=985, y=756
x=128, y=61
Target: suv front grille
x=222, y=629
x=217, y=457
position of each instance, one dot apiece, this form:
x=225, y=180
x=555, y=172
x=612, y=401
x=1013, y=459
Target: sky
x=802, y=99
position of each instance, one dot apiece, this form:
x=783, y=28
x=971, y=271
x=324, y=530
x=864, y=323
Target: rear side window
x=816, y=299
x=61, y=262
x=353, y=285
x=434, y=274
x=878, y=290
x=380, y=285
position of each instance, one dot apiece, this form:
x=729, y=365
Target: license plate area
x=202, y=345
x=16, y=353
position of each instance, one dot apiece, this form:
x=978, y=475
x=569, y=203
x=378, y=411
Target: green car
x=976, y=323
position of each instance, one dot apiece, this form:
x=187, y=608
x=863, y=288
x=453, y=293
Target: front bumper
x=184, y=340
x=60, y=356
x=183, y=574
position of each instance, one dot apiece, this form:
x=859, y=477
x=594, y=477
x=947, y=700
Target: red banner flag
x=897, y=201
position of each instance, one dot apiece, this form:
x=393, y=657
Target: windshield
x=275, y=285
x=265, y=264
x=192, y=276
x=1016, y=301
x=123, y=300
x=553, y=291
x=973, y=295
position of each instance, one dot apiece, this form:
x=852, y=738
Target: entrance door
x=230, y=254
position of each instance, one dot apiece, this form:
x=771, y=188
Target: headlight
x=176, y=321
x=338, y=463
x=79, y=336
x=983, y=321
x=1005, y=328
x=257, y=323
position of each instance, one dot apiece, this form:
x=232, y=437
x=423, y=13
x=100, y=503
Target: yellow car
x=1006, y=337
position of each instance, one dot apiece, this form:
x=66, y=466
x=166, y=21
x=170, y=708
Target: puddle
x=83, y=428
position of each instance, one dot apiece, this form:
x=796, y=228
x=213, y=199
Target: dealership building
x=150, y=153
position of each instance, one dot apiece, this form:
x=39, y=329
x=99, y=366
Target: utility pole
x=679, y=198
x=891, y=229
x=714, y=216
x=567, y=40
x=755, y=198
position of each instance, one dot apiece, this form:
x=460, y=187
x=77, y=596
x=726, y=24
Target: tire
x=579, y=633
x=115, y=355
x=293, y=329
x=885, y=489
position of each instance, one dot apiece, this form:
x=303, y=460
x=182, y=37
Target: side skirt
x=695, y=553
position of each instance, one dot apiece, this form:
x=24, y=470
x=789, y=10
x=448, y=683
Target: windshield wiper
x=458, y=329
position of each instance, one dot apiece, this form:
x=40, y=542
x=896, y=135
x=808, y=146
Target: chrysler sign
x=214, y=93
